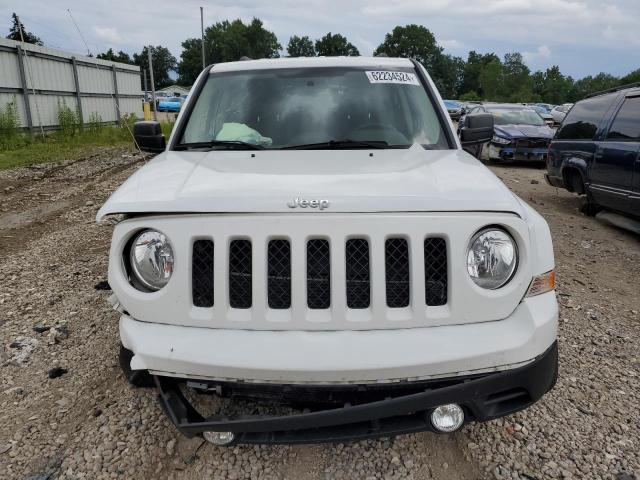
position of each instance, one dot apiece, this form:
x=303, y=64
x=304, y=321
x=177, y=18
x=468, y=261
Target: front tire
x=137, y=378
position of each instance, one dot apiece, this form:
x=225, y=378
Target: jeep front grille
x=357, y=274
x=240, y=274
x=279, y=274
x=396, y=260
x=318, y=274
x=202, y=273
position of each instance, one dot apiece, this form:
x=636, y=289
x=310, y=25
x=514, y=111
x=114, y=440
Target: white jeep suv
x=313, y=233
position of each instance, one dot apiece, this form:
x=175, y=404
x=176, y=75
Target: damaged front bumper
x=510, y=153
x=392, y=409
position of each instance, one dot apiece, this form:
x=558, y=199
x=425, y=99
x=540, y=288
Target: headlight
x=151, y=259
x=500, y=140
x=492, y=258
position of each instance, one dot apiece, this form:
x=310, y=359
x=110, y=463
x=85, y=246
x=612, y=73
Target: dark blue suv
x=596, y=151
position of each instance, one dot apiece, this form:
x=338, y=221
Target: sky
x=582, y=37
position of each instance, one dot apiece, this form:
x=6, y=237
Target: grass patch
x=69, y=143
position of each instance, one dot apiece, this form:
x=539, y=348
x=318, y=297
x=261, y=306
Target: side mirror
x=148, y=135
x=477, y=128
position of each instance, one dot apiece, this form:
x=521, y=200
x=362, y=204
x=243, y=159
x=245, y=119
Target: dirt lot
x=88, y=423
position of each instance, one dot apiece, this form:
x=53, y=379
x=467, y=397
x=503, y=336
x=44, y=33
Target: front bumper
x=509, y=153
x=482, y=397
x=346, y=356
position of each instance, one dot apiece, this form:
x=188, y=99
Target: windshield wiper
x=346, y=143
x=234, y=144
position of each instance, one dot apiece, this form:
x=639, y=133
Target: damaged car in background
x=520, y=134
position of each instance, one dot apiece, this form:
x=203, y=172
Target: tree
x=490, y=80
x=115, y=57
x=633, y=77
x=190, y=64
x=472, y=68
x=587, y=85
x=300, y=47
x=516, y=80
x=415, y=42
x=14, y=32
x=227, y=42
x=335, y=45
x=163, y=63
x=447, y=74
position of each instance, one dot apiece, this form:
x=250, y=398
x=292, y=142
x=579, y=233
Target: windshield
x=517, y=117
x=301, y=107
x=451, y=104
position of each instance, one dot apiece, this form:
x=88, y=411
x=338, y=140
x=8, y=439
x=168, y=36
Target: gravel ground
x=86, y=422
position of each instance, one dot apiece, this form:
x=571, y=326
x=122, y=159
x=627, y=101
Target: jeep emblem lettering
x=306, y=203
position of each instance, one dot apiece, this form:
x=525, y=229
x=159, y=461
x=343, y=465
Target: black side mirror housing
x=148, y=136
x=477, y=128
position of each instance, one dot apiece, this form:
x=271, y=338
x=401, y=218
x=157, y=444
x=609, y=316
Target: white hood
x=411, y=180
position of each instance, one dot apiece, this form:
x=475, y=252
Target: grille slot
x=318, y=274
x=435, y=271
x=358, y=275
x=240, y=271
x=202, y=273
x=396, y=260
x=279, y=274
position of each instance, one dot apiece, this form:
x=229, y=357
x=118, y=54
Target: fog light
x=447, y=418
x=219, y=438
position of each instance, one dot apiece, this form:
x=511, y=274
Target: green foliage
x=14, y=32
x=110, y=55
x=9, y=125
x=300, y=47
x=127, y=120
x=190, y=64
x=226, y=42
x=68, y=119
x=469, y=96
x=335, y=45
x=94, y=123
x=412, y=41
x=163, y=63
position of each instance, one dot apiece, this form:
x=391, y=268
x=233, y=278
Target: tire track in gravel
x=27, y=218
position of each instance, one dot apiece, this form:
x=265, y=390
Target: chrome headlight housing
x=500, y=140
x=151, y=259
x=492, y=258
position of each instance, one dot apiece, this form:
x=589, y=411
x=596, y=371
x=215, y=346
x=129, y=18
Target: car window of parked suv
x=626, y=125
x=581, y=123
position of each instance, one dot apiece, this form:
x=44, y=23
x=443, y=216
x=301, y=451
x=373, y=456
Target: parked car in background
x=544, y=113
x=558, y=113
x=520, y=133
x=547, y=106
x=454, y=108
x=596, y=151
x=171, y=104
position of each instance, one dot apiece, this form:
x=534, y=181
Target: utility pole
x=202, y=36
x=153, y=86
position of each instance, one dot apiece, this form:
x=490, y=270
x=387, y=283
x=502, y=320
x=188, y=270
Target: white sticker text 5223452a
x=405, y=78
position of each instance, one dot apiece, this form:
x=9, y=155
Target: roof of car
x=309, y=62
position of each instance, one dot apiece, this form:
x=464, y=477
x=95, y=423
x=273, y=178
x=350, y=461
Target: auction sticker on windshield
x=392, y=77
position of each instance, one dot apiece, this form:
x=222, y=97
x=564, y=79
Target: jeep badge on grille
x=306, y=203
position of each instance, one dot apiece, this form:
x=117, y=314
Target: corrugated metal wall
x=42, y=79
